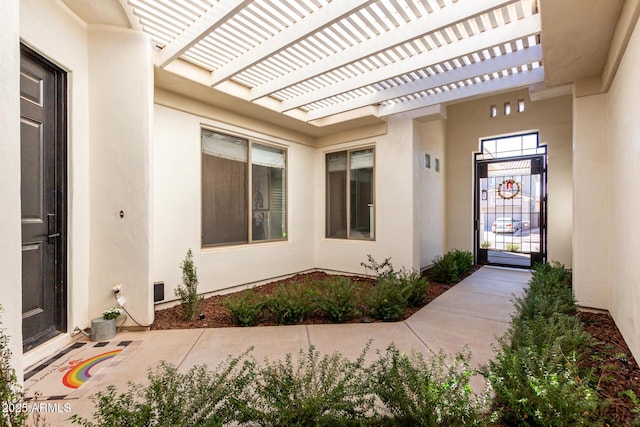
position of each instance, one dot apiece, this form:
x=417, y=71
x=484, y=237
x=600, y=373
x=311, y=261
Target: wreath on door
x=509, y=183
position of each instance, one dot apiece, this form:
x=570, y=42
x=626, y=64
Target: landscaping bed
x=604, y=362
x=217, y=315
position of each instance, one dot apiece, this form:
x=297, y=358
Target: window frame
x=251, y=140
x=348, y=235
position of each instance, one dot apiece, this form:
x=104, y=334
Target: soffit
x=576, y=37
x=323, y=62
x=99, y=12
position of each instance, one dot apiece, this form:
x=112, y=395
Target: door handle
x=51, y=227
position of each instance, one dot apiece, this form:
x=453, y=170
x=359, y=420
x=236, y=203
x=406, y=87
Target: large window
x=350, y=190
x=242, y=204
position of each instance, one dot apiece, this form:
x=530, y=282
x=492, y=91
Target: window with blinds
x=242, y=204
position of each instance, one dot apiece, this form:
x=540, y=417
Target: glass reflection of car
x=506, y=225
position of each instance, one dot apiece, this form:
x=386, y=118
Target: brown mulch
x=614, y=368
x=216, y=314
x=608, y=357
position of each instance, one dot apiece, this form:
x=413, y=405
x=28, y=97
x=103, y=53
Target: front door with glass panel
x=510, y=202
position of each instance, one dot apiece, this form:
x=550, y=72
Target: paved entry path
x=473, y=313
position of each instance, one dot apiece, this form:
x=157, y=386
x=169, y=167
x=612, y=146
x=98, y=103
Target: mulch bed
x=216, y=314
x=608, y=357
x=613, y=365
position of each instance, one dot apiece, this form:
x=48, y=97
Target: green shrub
x=450, y=267
x=463, y=259
x=247, y=308
x=549, y=292
x=535, y=372
x=434, y=393
x=387, y=300
x=512, y=247
x=541, y=333
x=414, y=287
x=10, y=391
x=444, y=269
x=197, y=398
x=551, y=273
x=314, y=391
x=485, y=245
x=188, y=290
x=541, y=388
x=291, y=304
x=338, y=298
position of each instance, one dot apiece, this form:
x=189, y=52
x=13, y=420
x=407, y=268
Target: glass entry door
x=510, y=211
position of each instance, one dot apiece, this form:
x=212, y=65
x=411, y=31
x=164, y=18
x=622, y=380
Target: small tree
x=188, y=290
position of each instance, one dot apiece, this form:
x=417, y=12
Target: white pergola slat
x=426, y=24
x=324, y=61
x=515, y=30
x=497, y=64
x=299, y=31
x=513, y=81
x=215, y=17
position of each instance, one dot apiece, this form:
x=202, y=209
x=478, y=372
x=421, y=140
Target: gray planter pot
x=103, y=329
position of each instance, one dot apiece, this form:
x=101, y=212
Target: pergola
x=323, y=61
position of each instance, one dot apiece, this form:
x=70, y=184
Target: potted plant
x=104, y=328
x=112, y=313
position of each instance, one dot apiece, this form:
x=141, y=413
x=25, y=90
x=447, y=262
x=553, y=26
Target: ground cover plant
x=308, y=390
x=535, y=373
x=417, y=392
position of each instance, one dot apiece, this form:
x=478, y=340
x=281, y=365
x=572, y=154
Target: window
x=511, y=146
x=242, y=204
x=350, y=196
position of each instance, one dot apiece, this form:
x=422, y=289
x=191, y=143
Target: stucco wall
x=121, y=106
x=394, y=211
x=430, y=195
x=591, y=201
x=624, y=210
x=10, y=252
x=469, y=122
x=176, y=208
x=56, y=33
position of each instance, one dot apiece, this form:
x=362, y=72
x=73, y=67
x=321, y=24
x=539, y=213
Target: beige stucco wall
x=469, y=122
x=624, y=208
x=394, y=211
x=176, y=205
x=429, y=197
x=10, y=252
x=591, y=201
x=121, y=112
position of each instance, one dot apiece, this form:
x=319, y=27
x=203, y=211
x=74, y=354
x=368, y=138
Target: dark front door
x=43, y=166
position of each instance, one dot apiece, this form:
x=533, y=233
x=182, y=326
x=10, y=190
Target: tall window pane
x=350, y=194
x=268, y=200
x=224, y=189
x=337, y=195
x=361, y=197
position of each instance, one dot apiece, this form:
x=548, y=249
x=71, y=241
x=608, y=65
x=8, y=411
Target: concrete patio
x=472, y=313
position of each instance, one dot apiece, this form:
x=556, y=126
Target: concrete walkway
x=472, y=313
